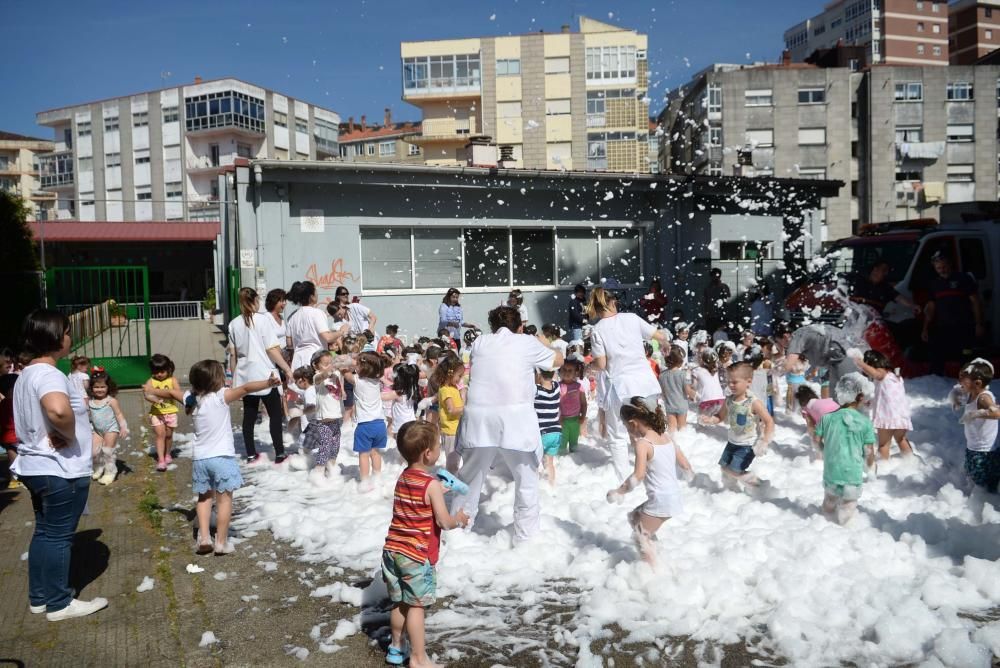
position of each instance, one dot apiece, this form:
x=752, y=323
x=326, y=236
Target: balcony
x=202, y=163
x=56, y=169
x=204, y=208
x=444, y=87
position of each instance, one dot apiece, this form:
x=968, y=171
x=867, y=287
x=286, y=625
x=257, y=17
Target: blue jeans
x=575, y=334
x=58, y=504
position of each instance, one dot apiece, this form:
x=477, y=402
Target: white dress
x=663, y=494
x=891, y=408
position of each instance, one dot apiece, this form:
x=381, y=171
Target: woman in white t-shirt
x=359, y=317
x=307, y=328
x=499, y=416
x=617, y=345
x=54, y=462
x=255, y=353
x=215, y=472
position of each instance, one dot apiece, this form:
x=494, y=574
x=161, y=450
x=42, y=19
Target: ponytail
x=637, y=409
x=599, y=301
x=248, y=301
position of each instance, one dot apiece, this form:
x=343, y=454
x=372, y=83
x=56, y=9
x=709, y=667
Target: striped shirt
x=547, y=408
x=413, y=532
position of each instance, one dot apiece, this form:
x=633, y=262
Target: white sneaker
x=107, y=479
x=95, y=475
x=36, y=609
x=220, y=550
x=77, y=608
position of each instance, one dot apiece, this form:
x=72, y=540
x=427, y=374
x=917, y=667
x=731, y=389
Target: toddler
x=405, y=395
x=215, y=472
x=648, y=347
x=762, y=384
x=419, y=513
x=79, y=373
x=451, y=404
x=108, y=423
x=370, y=436
x=745, y=345
x=390, y=339
x=572, y=406
x=656, y=462
x=743, y=414
x=301, y=399
x=891, y=408
x=813, y=409
x=724, y=350
x=676, y=389
x=706, y=381
x=322, y=435
x=682, y=331
x=847, y=438
x=979, y=416
x=163, y=412
x=547, y=410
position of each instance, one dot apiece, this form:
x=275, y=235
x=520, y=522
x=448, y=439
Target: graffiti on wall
x=336, y=276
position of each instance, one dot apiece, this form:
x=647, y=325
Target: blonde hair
x=599, y=301
x=248, y=301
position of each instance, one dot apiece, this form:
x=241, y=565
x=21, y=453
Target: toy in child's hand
x=451, y=483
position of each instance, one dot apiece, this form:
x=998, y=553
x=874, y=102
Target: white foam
x=146, y=584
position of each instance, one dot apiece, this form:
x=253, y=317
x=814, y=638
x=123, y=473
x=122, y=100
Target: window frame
x=756, y=97
x=508, y=67
x=907, y=88
x=810, y=94
x=960, y=91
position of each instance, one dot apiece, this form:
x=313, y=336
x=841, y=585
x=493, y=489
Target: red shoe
x=168, y=459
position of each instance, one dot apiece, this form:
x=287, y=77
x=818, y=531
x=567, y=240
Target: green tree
x=18, y=267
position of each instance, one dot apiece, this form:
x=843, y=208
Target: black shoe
x=280, y=458
x=250, y=459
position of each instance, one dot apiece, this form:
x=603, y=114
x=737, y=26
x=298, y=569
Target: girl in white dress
x=891, y=408
x=656, y=462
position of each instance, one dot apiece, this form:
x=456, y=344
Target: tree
x=18, y=268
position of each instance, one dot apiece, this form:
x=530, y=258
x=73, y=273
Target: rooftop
x=378, y=131
x=586, y=25
x=11, y=136
x=124, y=232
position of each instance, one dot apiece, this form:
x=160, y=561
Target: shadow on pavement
x=88, y=560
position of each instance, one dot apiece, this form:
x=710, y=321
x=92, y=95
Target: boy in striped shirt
x=419, y=513
x=547, y=409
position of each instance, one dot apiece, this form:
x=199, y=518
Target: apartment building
x=157, y=155
x=906, y=139
x=562, y=101
x=973, y=30
x=19, y=172
x=894, y=32
x=389, y=142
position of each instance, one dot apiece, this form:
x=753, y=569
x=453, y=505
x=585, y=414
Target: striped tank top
x=413, y=531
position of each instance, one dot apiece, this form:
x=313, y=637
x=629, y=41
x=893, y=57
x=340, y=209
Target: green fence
x=234, y=293
x=106, y=321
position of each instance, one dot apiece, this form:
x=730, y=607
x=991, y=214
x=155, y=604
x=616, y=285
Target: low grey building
x=401, y=235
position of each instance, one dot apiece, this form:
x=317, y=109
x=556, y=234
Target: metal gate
x=108, y=309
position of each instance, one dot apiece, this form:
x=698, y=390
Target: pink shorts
x=170, y=420
x=710, y=408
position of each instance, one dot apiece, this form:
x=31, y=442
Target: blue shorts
x=215, y=474
x=348, y=394
x=370, y=436
x=551, y=443
x=795, y=378
x=737, y=458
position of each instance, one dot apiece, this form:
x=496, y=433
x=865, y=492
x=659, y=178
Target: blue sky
x=341, y=54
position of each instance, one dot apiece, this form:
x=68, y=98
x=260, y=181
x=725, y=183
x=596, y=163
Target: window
x=359, y=149
x=557, y=107
x=281, y=119
x=935, y=6
x=486, y=257
x=113, y=160
x=174, y=190
x=85, y=164
x=920, y=49
x=909, y=135
x=140, y=119
x=412, y=149
x=244, y=150
x=370, y=148
x=989, y=34
x=715, y=135
x=224, y=109
x=533, y=257
x=385, y=258
x=937, y=50
x=959, y=90
x=213, y=155
x=812, y=173
x=141, y=156
x=436, y=72
x=595, y=109
x=172, y=152
x=610, y=62
x=437, y=257
x=812, y=95
x=911, y=91
x=760, y=138
x=170, y=114
x=111, y=124
x=508, y=67
x=744, y=250
x=597, y=151
x=989, y=12
x=508, y=110
x=961, y=173
x=961, y=133
x=83, y=128
x=920, y=26
x=387, y=148
x=302, y=126
x=936, y=28
x=143, y=193
x=812, y=136
x=556, y=65
x=326, y=135
x=758, y=98
x=714, y=99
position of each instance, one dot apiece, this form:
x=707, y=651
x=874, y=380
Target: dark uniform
x=952, y=331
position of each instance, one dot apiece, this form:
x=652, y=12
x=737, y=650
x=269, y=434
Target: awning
x=124, y=232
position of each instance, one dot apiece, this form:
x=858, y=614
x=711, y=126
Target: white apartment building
x=157, y=155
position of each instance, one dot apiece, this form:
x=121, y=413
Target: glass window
x=577, y=257
x=486, y=257
x=413, y=149
x=387, y=148
x=532, y=252
x=911, y=91
x=961, y=133
x=111, y=124
x=620, y=255
x=508, y=110
x=302, y=126
x=437, y=257
x=113, y=160
x=714, y=99
x=281, y=119
x=370, y=149
x=909, y=134
x=385, y=258
x=758, y=98
x=760, y=138
x=959, y=90
x=557, y=107
x=509, y=67
x=244, y=150
x=556, y=65
x=812, y=136
x=812, y=95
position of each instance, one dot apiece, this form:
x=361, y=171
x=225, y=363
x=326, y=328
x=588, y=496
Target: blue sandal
x=396, y=656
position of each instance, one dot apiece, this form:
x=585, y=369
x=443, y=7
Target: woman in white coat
x=308, y=331
x=617, y=345
x=499, y=417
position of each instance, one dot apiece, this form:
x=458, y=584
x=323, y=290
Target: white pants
x=476, y=463
x=618, y=438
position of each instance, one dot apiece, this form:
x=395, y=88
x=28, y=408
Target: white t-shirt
x=709, y=388
x=560, y=345
x=330, y=397
x=357, y=318
x=35, y=454
x=80, y=380
x=305, y=327
x=368, y=399
x=251, y=344
x=500, y=410
x=213, y=427
x=402, y=412
x=619, y=338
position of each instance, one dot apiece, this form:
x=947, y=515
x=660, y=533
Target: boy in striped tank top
x=547, y=409
x=419, y=513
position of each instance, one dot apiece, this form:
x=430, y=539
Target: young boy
x=742, y=413
x=847, y=438
x=979, y=415
x=572, y=406
x=553, y=335
x=547, y=409
x=419, y=514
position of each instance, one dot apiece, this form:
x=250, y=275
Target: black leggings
x=251, y=406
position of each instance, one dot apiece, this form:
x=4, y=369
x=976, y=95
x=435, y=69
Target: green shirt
x=845, y=434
